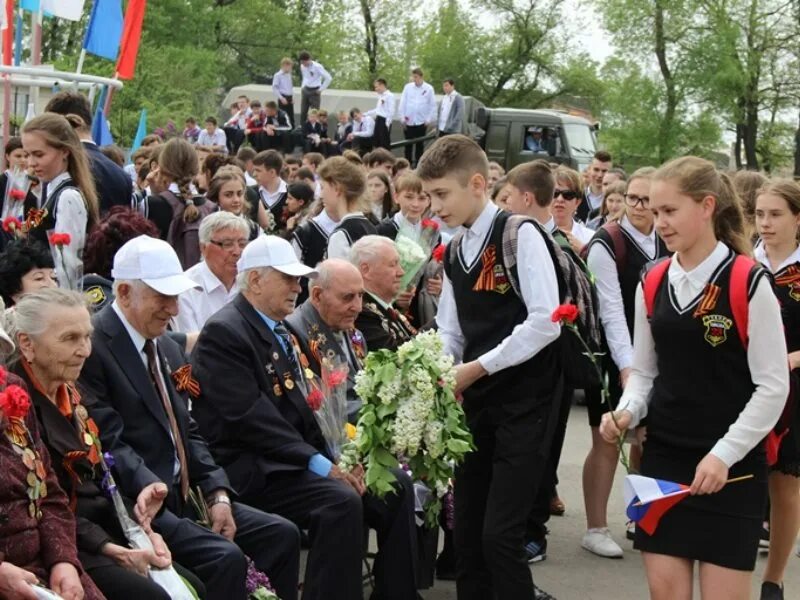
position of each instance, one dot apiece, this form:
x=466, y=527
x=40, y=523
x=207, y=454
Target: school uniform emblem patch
x=717, y=327
x=501, y=284
x=794, y=291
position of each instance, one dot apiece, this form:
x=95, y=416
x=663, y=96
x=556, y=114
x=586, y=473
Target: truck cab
x=512, y=136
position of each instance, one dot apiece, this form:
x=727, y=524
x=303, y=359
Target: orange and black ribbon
x=69, y=466
x=486, y=281
x=790, y=276
x=708, y=301
x=184, y=382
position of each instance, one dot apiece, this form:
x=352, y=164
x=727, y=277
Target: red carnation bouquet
x=57, y=243
x=329, y=404
x=16, y=191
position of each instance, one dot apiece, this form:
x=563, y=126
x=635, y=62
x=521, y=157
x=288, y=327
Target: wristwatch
x=219, y=499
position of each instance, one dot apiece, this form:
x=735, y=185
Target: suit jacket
x=382, y=328
x=114, y=185
x=133, y=424
x=250, y=409
x=455, y=118
x=319, y=343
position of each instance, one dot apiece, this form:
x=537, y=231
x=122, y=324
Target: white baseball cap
x=276, y=252
x=155, y=263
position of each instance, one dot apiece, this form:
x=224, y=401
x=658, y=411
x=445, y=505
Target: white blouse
x=71, y=217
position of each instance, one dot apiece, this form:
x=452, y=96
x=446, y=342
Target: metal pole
x=80, y=61
x=36, y=52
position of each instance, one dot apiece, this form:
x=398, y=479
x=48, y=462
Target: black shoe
x=539, y=594
x=771, y=591
x=536, y=552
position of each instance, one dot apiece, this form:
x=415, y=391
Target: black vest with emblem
x=786, y=284
x=635, y=262
x=703, y=380
x=355, y=228
x=48, y=223
x=487, y=317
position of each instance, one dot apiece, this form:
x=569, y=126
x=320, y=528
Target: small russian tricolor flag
x=648, y=499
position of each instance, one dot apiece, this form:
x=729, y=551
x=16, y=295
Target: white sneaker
x=599, y=541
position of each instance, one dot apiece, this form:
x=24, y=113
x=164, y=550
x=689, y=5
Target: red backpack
x=740, y=306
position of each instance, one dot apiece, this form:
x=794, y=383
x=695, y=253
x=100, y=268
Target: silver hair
x=243, y=281
x=368, y=248
x=135, y=284
x=221, y=220
x=31, y=314
x=327, y=272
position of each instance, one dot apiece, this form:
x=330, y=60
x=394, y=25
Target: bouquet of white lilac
x=414, y=250
x=409, y=416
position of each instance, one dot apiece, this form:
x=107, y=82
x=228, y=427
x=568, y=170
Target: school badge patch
x=717, y=327
x=501, y=284
x=794, y=291
x=95, y=295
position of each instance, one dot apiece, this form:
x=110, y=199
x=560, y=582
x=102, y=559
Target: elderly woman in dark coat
x=37, y=529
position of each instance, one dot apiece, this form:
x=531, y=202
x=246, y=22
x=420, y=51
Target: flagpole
x=36, y=51
x=81, y=58
x=109, y=97
x=687, y=490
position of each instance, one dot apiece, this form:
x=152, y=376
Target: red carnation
x=336, y=377
x=315, y=400
x=15, y=402
x=17, y=194
x=438, y=253
x=12, y=224
x=430, y=224
x=3, y=376
x=565, y=313
x=60, y=239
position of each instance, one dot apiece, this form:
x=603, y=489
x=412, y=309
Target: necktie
x=152, y=367
x=286, y=340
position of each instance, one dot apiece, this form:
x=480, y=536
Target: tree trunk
x=797, y=151
x=371, y=41
x=666, y=128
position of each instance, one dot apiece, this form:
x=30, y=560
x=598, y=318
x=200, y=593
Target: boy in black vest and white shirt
x=509, y=371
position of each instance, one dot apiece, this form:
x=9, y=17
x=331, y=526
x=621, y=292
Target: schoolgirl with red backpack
x=711, y=381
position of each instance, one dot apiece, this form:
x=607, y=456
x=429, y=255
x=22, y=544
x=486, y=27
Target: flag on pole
x=101, y=133
x=31, y=112
x=20, y=26
x=30, y=5
x=140, y=132
x=7, y=26
x=105, y=29
x=648, y=499
x=71, y=10
x=131, y=35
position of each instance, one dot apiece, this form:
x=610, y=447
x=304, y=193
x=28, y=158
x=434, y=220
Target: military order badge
x=717, y=327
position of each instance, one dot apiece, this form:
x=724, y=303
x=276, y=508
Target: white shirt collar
x=137, y=338
x=760, y=254
x=209, y=281
x=57, y=180
x=325, y=221
x=699, y=276
x=351, y=215
x=381, y=303
x=480, y=228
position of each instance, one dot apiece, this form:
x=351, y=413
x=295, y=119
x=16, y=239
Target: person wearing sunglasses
x=223, y=237
x=566, y=199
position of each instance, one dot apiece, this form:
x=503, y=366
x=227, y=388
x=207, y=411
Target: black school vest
x=487, y=317
x=355, y=227
x=786, y=284
x=48, y=223
x=703, y=380
x=388, y=228
x=636, y=260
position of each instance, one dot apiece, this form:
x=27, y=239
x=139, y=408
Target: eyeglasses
x=229, y=244
x=565, y=194
x=633, y=200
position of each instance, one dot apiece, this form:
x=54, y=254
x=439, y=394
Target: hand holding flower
x=614, y=425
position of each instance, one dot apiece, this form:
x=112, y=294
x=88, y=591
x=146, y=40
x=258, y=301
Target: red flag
x=8, y=33
x=131, y=35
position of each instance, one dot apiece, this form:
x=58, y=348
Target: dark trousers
x=494, y=493
x=234, y=137
x=536, y=529
x=289, y=108
x=120, y=583
x=273, y=544
x=260, y=141
x=414, y=151
x=334, y=516
x=362, y=145
x=382, y=135
x=309, y=98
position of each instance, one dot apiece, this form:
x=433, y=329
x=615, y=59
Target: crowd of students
x=695, y=348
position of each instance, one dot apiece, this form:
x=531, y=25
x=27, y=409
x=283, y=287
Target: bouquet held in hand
x=409, y=416
x=415, y=250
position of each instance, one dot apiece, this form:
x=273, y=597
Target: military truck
x=510, y=136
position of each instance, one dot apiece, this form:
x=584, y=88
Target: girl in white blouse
x=710, y=392
x=69, y=202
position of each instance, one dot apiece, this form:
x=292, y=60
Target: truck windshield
x=580, y=139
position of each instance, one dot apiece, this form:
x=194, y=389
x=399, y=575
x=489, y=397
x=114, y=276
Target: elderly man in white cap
x=254, y=411
x=136, y=384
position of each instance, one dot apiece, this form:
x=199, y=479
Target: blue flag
x=101, y=134
x=31, y=5
x=140, y=132
x=105, y=29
